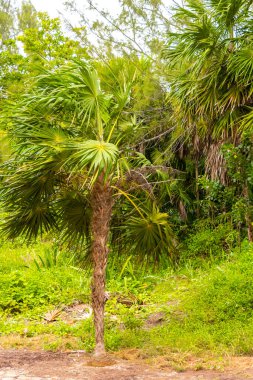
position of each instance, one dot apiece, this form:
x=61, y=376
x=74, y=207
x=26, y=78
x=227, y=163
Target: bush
x=208, y=243
x=23, y=291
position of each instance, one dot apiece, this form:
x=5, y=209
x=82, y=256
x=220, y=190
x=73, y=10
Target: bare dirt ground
x=27, y=365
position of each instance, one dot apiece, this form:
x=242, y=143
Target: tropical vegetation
x=130, y=152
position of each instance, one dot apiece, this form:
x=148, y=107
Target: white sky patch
x=51, y=7
x=54, y=7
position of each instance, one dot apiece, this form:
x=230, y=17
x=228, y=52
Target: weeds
x=208, y=309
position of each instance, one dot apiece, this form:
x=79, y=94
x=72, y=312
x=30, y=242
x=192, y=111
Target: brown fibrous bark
x=101, y=203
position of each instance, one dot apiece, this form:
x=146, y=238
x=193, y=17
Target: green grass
x=203, y=310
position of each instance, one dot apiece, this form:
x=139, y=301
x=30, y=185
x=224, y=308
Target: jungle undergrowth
x=185, y=310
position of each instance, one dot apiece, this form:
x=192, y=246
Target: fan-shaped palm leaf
x=96, y=156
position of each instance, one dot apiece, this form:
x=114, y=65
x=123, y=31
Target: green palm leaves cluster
x=209, y=56
x=67, y=132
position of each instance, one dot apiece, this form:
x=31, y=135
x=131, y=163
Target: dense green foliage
x=191, y=102
x=158, y=108
x=208, y=309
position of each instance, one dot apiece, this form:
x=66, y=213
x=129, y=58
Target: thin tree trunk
x=101, y=203
x=197, y=184
x=196, y=151
x=248, y=217
x=250, y=228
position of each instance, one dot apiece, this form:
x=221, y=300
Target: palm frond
x=96, y=156
x=29, y=220
x=74, y=214
x=146, y=234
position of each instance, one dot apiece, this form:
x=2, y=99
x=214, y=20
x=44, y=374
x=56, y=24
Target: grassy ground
x=44, y=299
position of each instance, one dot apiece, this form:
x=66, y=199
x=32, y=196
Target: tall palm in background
x=75, y=167
x=210, y=65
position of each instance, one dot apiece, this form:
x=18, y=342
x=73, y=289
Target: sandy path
x=27, y=365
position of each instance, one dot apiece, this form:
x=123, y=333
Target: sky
x=56, y=7
x=53, y=6
x=50, y=6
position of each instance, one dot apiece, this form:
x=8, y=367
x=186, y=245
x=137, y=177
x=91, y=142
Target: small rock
x=155, y=319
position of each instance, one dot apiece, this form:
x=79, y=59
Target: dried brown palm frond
x=215, y=163
x=52, y=316
x=182, y=211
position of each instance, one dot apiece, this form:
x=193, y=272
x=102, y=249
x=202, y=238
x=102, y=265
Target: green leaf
x=93, y=155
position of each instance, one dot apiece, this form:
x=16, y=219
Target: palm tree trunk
x=101, y=203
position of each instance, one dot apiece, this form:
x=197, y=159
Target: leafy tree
x=209, y=62
x=75, y=170
x=14, y=19
x=6, y=20
x=45, y=43
x=27, y=16
x=239, y=167
x=139, y=27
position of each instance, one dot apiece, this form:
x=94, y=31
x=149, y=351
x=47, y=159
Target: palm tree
x=209, y=58
x=74, y=168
